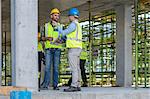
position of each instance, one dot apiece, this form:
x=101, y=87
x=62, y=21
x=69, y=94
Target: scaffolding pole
x=5, y=61
x=136, y=43
x=1, y=42
x=145, y=52
x=90, y=44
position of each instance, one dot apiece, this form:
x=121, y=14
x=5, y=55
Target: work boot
x=79, y=89
x=56, y=88
x=43, y=88
x=72, y=89
x=84, y=85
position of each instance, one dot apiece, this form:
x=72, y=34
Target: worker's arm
x=70, y=29
x=39, y=39
x=47, y=38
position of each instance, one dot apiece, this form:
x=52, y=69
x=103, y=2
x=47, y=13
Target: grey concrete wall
x=24, y=29
x=124, y=45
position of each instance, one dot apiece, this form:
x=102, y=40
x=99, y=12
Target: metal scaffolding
x=99, y=33
x=141, y=46
x=101, y=67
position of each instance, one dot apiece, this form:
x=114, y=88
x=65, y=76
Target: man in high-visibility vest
x=41, y=57
x=52, y=50
x=74, y=45
x=83, y=58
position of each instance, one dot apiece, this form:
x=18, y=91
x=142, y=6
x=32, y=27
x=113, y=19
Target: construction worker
x=74, y=45
x=52, y=50
x=40, y=56
x=83, y=58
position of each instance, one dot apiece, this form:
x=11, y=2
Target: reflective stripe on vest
x=74, y=39
x=49, y=32
x=40, y=47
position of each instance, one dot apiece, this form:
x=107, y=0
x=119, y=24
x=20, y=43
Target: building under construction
x=117, y=35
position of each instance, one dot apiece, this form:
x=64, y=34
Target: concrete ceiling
x=97, y=6
x=46, y=5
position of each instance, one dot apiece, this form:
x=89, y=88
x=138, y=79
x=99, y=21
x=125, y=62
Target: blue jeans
x=52, y=57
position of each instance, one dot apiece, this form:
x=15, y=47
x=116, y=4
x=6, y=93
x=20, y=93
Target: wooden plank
x=5, y=90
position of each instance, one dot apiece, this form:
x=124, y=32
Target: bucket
x=20, y=95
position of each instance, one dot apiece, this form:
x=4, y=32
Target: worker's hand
x=59, y=40
x=43, y=38
x=39, y=39
x=49, y=38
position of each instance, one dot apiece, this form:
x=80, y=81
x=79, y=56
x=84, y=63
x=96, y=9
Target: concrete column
x=124, y=45
x=0, y=43
x=24, y=29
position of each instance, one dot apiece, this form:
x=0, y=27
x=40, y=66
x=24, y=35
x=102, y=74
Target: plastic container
x=20, y=95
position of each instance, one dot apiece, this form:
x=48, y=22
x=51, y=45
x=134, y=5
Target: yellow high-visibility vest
x=84, y=54
x=49, y=32
x=40, y=47
x=74, y=39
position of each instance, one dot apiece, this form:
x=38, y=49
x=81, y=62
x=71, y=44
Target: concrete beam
x=24, y=29
x=124, y=45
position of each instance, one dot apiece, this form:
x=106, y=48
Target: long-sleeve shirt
x=70, y=29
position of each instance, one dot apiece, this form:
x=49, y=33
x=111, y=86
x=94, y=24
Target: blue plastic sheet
x=20, y=95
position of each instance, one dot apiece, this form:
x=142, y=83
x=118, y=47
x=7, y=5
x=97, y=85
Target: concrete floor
x=93, y=93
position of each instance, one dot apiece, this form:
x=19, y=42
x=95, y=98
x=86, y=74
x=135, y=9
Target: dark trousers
x=83, y=74
x=40, y=59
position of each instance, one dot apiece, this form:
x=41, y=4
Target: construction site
x=117, y=36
